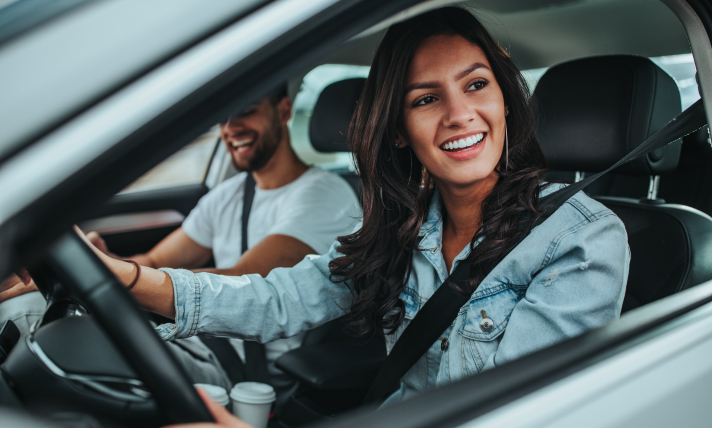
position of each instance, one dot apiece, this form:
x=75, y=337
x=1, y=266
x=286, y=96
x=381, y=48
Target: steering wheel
x=84, y=276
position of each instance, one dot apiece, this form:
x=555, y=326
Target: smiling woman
x=437, y=80
x=457, y=84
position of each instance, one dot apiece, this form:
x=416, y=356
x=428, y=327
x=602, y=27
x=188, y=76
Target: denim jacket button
x=486, y=325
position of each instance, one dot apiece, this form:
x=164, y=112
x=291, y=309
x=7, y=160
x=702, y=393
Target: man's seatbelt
x=255, y=366
x=228, y=358
x=255, y=355
x=440, y=311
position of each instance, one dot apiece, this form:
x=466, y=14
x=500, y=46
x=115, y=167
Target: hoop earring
x=410, y=170
x=382, y=202
x=506, y=148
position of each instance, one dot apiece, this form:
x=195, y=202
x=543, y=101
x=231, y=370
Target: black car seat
x=334, y=373
x=593, y=111
x=691, y=183
x=330, y=121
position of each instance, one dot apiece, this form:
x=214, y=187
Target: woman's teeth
x=464, y=143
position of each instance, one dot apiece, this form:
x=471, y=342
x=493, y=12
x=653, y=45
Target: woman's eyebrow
x=460, y=75
x=470, y=69
x=423, y=85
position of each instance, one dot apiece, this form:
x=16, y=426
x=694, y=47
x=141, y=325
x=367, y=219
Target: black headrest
x=332, y=113
x=593, y=111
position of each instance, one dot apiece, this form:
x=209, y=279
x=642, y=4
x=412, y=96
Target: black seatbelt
x=442, y=308
x=255, y=355
x=228, y=358
x=255, y=366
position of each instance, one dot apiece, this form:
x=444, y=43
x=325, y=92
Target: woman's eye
x=423, y=101
x=477, y=85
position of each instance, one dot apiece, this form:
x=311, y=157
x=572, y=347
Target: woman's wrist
x=124, y=271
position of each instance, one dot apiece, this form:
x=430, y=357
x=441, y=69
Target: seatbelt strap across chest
x=255, y=366
x=255, y=354
x=440, y=311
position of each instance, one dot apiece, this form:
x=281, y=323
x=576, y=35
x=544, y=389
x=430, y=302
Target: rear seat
x=591, y=113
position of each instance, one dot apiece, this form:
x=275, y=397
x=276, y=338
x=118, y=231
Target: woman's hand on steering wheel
x=223, y=418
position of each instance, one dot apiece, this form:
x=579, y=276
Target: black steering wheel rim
x=85, y=277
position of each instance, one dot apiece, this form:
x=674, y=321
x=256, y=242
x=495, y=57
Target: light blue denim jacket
x=566, y=277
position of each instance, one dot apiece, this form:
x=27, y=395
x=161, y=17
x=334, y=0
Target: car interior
x=598, y=98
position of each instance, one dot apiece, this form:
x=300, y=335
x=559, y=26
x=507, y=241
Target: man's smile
x=241, y=143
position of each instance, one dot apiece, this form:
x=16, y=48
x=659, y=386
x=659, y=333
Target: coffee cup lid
x=217, y=393
x=253, y=393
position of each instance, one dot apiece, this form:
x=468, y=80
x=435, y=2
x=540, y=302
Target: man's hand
x=223, y=418
x=13, y=287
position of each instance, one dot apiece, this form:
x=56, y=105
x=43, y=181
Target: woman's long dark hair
x=377, y=259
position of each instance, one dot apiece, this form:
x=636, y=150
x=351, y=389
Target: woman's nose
x=458, y=113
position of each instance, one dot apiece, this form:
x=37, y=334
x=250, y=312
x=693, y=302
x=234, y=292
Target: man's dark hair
x=277, y=94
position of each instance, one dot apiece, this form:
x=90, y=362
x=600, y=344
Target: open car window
x=187, y=166
x=313, y=83
x=680, y=67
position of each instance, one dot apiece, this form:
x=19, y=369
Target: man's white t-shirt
x=315, y=208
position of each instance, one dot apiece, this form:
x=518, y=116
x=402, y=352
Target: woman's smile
x=463, y=147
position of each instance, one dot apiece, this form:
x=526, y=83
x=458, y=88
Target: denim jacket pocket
x=478, y=339
x=412, y=301
x=496, y=307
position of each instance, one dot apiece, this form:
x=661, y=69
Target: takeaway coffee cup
x=252, y=402
x=217, y=393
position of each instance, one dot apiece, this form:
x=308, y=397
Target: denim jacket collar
x=431, y=234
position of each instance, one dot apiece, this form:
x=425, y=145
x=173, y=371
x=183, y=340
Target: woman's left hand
x=223, y=418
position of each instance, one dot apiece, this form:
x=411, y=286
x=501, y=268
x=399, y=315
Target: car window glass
x=188, y=166
x=314, y=82
x=680, y=67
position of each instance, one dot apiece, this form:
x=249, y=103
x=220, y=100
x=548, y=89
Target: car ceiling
x=541, y=33
x=538, y=33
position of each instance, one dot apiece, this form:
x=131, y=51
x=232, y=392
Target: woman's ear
x=400, y=141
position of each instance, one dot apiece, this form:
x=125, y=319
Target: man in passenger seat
x=296, y=210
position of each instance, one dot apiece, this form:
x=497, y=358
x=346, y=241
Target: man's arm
x=176, y=250
x=272, y=252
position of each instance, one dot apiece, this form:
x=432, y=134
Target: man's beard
x=264, y=150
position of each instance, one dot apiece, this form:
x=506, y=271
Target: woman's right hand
x=97, y=241
x=223, y=418
x=153, y=289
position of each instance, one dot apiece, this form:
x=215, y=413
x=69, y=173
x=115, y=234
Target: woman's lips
x=465, y=143
x=469, y=151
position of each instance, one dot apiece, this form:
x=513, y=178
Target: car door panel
x=132, y=223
